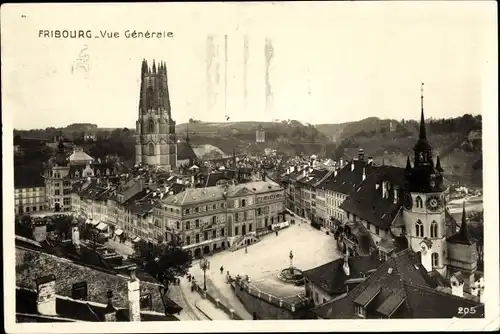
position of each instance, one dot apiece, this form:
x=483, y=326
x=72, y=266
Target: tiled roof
x=80, y=156
x=68, y=308
x=366, y=200
x=389, y=277
x=33, y=262
x=347, y=179
x=313, y=177
x=406, y=291
x=331, y=276
x=200, y=195
x=28, y=177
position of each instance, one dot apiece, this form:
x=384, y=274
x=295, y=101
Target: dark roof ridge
x=437, y=292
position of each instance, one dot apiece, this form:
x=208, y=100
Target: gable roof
x=331, y=276
x=185, y=151
x=366, y=200
x=347, y=179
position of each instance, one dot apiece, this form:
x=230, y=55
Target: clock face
x=433, y=203
x=408, y=201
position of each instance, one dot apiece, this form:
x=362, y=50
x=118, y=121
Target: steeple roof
x=463, y=236
x=438, y=165
x=422, y=143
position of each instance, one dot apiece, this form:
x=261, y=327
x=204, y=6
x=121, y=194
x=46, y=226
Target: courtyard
x=264, y=260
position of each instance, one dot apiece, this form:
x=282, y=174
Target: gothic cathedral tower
x=424, y=203
x=155, y=128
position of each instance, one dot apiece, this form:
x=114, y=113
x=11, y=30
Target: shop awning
x=118, y=232
x=94, y=222
x=101, y=226
x=137, y=239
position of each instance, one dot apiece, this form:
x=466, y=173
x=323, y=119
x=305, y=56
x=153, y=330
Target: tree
x=165, y=261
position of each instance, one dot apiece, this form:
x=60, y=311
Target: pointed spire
x=408, y=163
x=438, y=165
x=422, y=133
x=154, y=67
x=464, y=229
x=187, y=132
x=144, y=67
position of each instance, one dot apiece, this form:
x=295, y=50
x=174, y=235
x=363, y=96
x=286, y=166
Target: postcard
x=238, y=167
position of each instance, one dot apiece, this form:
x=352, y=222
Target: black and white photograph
x=326, y=166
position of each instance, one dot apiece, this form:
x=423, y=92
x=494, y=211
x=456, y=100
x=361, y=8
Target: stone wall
x=263, y=309
x=31, y=264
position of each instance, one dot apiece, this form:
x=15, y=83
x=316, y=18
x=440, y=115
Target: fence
x=215, y=301
x=243, y=284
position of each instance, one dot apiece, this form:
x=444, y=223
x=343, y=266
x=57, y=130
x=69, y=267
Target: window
x=250, y=228
x=197, y=223
x=188, y=240
x=177, y=225
x=236, y=230
x=187, y=225
x=434, y=229
x=221, y=232
x=214, y=234
x=419, y=202
x=151, y=127
x=56, y=192
x=419, y=229
x=435, y=259
x=243, y=202
x=360, y=311
x=197, y=238
x=377, y=230
x=205, y=235
x=151, y=149
x=214, y=219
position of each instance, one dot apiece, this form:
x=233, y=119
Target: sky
x=332, y=62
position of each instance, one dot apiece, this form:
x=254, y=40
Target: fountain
x=291, y=274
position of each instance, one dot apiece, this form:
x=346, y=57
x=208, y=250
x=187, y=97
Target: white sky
x=360, y=59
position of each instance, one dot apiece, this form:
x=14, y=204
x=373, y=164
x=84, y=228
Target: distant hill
x=458, y=141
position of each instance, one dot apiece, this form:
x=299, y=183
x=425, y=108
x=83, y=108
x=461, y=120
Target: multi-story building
x=62, y=170
x=29, y=193
x=212, y=218
x=396, y=208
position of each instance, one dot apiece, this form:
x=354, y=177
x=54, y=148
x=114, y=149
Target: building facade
x=30, y=198
x=155, y=141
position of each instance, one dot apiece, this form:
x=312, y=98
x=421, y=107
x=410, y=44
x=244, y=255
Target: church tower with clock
x=156, y=143
x=424, y=203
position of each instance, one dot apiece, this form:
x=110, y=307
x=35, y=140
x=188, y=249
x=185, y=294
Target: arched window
x=151, y=126
x=435, y=259
x=419, y=202
x=151, y=149
x=419, y=229
x=434, y=229
x=98, y=172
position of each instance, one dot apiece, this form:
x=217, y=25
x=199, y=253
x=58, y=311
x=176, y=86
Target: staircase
x=241, y=241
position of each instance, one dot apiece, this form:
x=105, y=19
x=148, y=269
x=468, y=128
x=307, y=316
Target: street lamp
x=204, y=265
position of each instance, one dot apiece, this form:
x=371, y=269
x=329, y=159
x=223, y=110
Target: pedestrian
x=221, y=269
x=276, y=232
x=246, y=250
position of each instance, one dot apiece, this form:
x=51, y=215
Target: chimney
x=364, y=174
x=75, y=234
x=46, y=295
x=352, y=166
x=341, y=163
x=335, y=173
x=457, y=284
x=396, y=195
x=134, y=295
x=370, y=160
x=346, y=263
x=40, y=231
x=110, y=310
x=361, y=154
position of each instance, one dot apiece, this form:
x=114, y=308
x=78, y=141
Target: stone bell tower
x=155, y=128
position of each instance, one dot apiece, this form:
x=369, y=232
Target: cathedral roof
x=185, y=151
